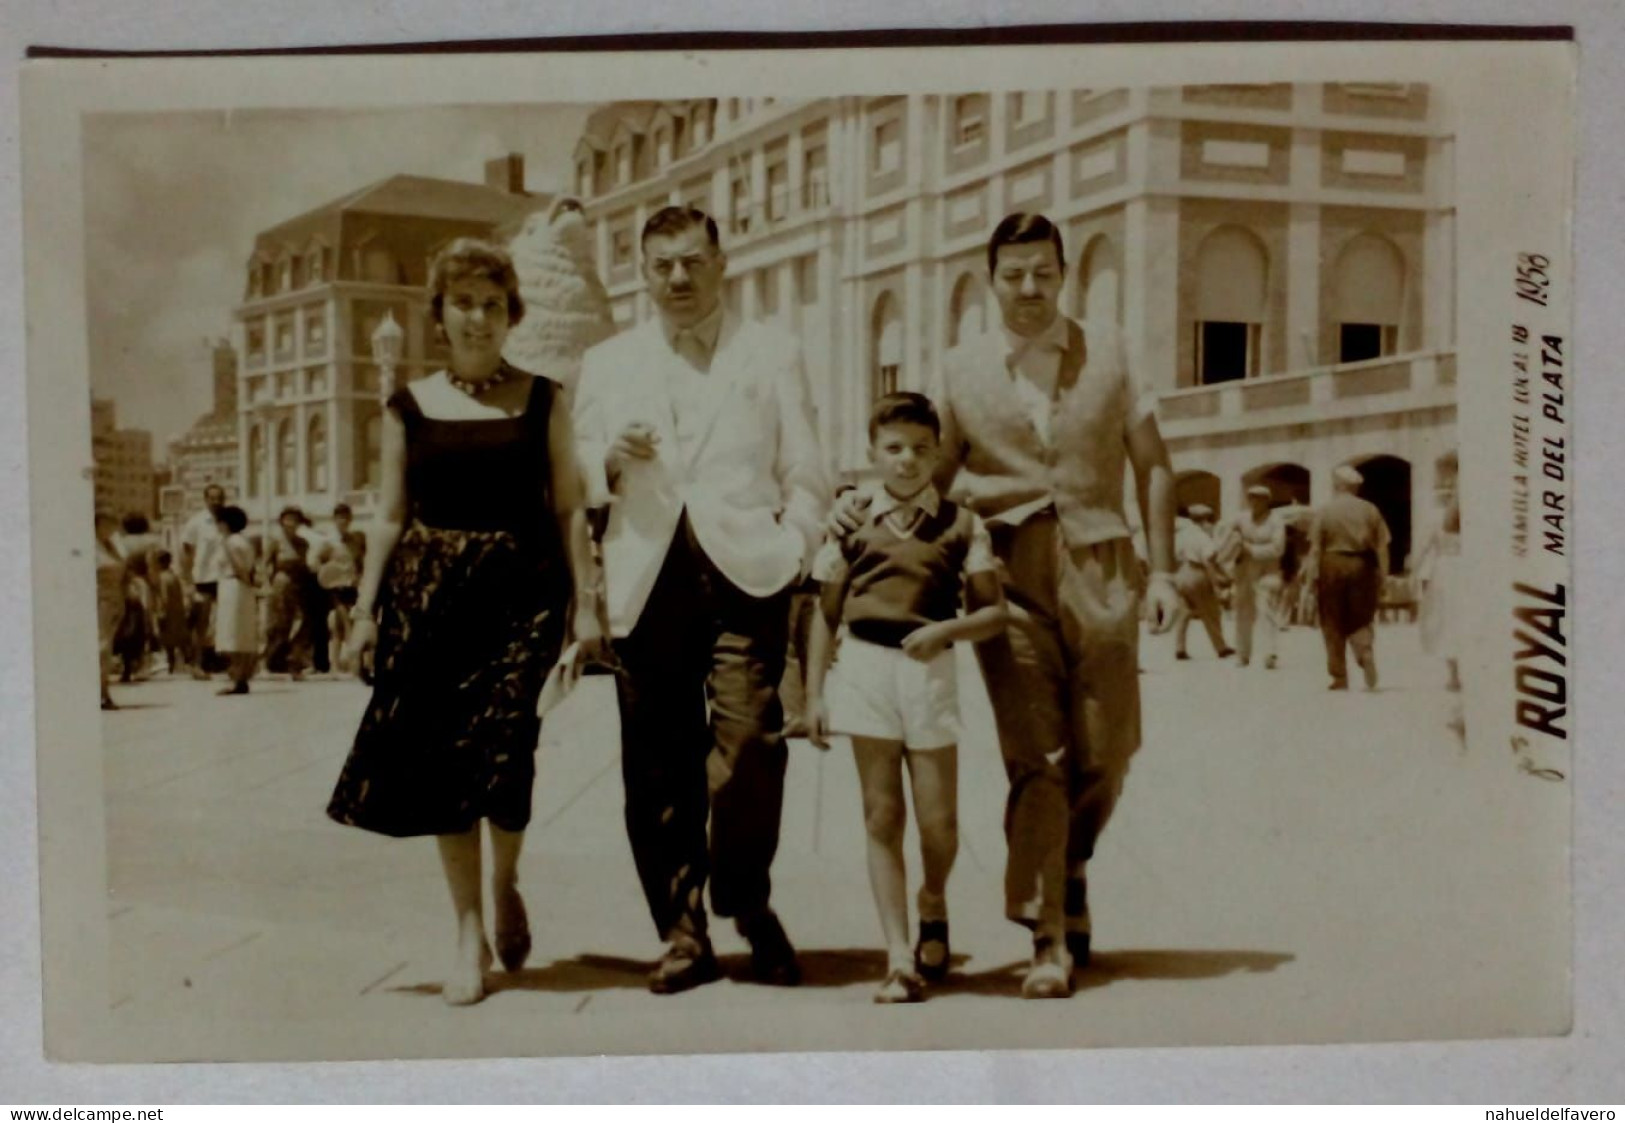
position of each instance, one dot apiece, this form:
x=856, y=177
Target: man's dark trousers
x=701, y=730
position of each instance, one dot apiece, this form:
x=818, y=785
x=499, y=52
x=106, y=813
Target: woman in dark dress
x=480, y=554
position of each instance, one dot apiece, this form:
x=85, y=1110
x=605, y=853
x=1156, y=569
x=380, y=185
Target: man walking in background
x=202, y=564
x=1348, y=556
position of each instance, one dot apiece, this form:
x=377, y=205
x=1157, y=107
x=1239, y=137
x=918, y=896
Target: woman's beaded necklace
x=475, y=389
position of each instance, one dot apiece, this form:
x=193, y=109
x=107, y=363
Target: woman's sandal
x=932, y=957
x=900, y=986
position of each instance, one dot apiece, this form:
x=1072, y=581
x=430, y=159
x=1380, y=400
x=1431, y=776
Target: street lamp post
x=263, y=413
x=388, y=341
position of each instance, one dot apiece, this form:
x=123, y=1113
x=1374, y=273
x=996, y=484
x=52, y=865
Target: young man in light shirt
x=202, y=565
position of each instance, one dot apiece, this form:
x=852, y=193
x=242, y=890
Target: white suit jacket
x=755, y=485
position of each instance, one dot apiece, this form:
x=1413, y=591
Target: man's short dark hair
x=904, y=408
x=342, y=509
x=136, y=523
x=1019, y=229
x=668, y=221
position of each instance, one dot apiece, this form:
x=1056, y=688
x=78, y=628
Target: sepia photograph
x=679, y=552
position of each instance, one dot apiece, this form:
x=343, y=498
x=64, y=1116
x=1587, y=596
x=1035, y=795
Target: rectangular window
x=621, y=248
x=1028, y=108
x=767, y=292
x=284, y=337
x=886, y=379
x=778, y=192
x=970, y=120
x=1226, y=351
x=739, y=197
x=815, y=178
x=1358, y=342
x=254, y=343
x=888, y=147
x=807, y=278
x=316, y=331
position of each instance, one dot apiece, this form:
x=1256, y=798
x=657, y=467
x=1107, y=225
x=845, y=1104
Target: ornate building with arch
x=1279, y=257
x=308, y=404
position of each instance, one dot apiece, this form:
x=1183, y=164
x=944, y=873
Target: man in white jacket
x=703, y=430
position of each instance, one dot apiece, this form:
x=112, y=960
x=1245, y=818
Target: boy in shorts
x=894, y=586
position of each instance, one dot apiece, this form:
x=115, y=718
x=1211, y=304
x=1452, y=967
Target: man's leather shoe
x=772, y=958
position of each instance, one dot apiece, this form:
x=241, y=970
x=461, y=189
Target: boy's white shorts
x=880, y=692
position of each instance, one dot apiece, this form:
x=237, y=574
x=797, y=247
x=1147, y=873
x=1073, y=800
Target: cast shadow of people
x=1107, y=967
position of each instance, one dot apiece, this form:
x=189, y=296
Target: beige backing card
x=1474, y=941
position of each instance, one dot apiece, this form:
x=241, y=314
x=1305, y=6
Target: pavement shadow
x=584, y=972
x=1109, y=967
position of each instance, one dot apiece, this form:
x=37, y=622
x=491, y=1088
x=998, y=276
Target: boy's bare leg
x=880, y=774
x=934, y=777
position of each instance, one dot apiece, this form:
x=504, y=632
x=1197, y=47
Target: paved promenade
x=1286, y=865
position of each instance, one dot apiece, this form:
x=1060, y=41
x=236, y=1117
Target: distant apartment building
x=207, y=453
x=1279, y=257
x=309, y=402
x=124, y=472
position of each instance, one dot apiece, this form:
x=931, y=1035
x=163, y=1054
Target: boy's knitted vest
x=897, y=584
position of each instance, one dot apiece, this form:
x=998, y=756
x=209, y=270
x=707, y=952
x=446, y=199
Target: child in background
x=895, y=584
x=174, y=633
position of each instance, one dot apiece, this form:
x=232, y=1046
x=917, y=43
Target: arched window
x=967, y=308
x=1288, y=483
x=256, y=459
x=885, y=345
x=1197, y=486
x=316, y=454
x=1370, y=295
x=1232, y=273
x=1098, y=287
x=1386, y=483
x=287, y=457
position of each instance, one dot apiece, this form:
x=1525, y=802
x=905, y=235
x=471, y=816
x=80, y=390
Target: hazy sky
x=173, y=202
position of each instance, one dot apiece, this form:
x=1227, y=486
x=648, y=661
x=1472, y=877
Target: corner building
x=1279, y=257
x=309, y=404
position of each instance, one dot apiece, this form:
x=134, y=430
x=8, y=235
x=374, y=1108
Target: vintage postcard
x=1037, y=546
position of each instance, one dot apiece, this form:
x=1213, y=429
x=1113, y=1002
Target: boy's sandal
x=900, y=986
x=931, y=954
